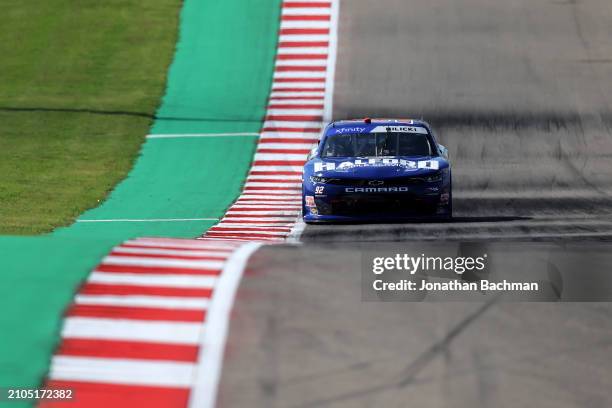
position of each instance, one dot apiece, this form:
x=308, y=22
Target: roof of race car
x=379, y=121
x=367, y=124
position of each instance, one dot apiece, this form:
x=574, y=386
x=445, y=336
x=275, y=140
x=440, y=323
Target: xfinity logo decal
x=350, y=130
x=376, y=189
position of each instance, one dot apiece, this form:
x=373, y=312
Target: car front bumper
x=335, y=205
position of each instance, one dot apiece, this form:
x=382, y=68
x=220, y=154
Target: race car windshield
x=376, y=145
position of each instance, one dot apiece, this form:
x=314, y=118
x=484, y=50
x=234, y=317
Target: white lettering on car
x=324, y=166
x=409, y=164
x=399, y=129
x=350, y=130
x=429, y=164
x=376, y=189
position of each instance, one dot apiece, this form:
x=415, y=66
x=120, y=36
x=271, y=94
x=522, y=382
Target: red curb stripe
x=104, y=289
x=290, y=106
x=287, y=141
x=155, y=270
x=264, y=215
x=136, y=313
x=263, y=209
x=288, y=89
x=292, y=98
x=272, y=188
x=272, y=193
x=295, y=151
x=292, y=130
x=305, y=4
x=291, y=44
x=190, y=242
x=295, y=118
x=182, y=248
x=229, y=229
x=243, y=235
x=289, y=80
x=294, y=68
x=280, y=173
x=271, y=181
x=127, y=349
x=320, y=17
x=257, y=222
x=105, y=395
x=265, y=180
x=219, y=257
x=255, y=200
x=301, y=56
x=279, y=162
x=280, y=202
x=304, y=31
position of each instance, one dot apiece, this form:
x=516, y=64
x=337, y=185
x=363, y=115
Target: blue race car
x=376, y=170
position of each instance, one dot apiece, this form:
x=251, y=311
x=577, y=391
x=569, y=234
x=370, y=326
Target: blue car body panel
x=381, y=188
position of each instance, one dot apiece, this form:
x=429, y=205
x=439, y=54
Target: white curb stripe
x=297, y=101
x=132, y=330
x=117, y=371
x=170, y=281
x=303, y=24
x=171, y=252
x=302, y=50
x=212, y=343
x=280, y=156
x=161, y=263
x=166, y=302
x=301, y=63
x=272, y=184
x=273, y=177
x=302, y=37
x=305, y=11
x=295, y=111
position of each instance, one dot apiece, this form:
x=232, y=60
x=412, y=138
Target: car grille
x=376, y=205
x=392, y=182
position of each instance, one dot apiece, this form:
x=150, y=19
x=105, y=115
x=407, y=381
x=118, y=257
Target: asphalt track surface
x=519, y=92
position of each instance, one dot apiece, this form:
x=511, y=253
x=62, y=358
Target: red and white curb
x=148, y=327
x=270, y=204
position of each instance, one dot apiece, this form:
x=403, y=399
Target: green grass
x=79, y=83
x=53, y=164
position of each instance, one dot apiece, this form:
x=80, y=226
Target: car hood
x=376, y=167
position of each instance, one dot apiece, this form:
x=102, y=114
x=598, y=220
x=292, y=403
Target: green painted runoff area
x=219, y=82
